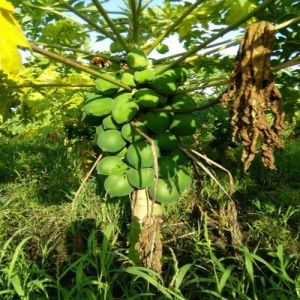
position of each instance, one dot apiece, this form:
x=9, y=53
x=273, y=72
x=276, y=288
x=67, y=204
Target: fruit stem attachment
x=111, y=25
x=87, y=20
x=155, y=159
x=216, y=36
x=76, y=65
x=172, y=26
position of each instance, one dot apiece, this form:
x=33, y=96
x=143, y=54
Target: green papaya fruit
x=110, y=141
x=137, y=59
x=124, y=109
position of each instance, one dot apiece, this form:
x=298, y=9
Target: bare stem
x=109, y=22
x=216, y=36
x=88, y=175
x=173, y=26
x=76, y=65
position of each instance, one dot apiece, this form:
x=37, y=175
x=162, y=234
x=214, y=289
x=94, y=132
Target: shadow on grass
x=46, y=166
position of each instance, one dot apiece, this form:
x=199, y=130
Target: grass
x=48, y=253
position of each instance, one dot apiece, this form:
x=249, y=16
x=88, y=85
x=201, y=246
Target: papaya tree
x=145, y=111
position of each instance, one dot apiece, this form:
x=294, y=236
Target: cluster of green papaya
x=128, y=158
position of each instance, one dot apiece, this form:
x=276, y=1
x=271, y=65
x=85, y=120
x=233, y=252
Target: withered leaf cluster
x=256, y=114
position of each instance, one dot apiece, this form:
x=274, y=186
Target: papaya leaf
x=11, y=36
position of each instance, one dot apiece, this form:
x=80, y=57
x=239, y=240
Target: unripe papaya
x=144, y=76
x=182, y=101
x=117, y=185
x=166, y=192
x=166, y=141
x=111, y=165
x=127, y=78
x=141, y=178
x=108, y=123
x=137, y=59
x=98, y=107
x=157, y=121
x=183, y=124
x=162, y=48
x=124, y=109
x=110, y=141
x=164, y=84
x=139, y=155
x=183, y=180
x=106, y=87
x=115, y=47
x=166, y=167
x=129, y=134
x=147, y=98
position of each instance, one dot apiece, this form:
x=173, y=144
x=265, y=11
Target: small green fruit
x=166, y=141
x=162, y=48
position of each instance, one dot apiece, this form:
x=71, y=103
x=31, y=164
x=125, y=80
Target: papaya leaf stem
x=46, y=85
x=77, y=50
x=224, y=44
x=216, y=36
x=112, y=26
x=172, y=26
x=82, y=16
x=79, y=66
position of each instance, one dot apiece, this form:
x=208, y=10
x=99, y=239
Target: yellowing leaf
x=11, y=36
x=6, y=5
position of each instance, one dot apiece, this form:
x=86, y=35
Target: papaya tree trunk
x=145, y=237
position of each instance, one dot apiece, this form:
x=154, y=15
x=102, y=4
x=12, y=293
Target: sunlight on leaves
x=11, y=36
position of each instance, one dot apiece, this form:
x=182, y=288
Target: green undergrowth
x=53, y=248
